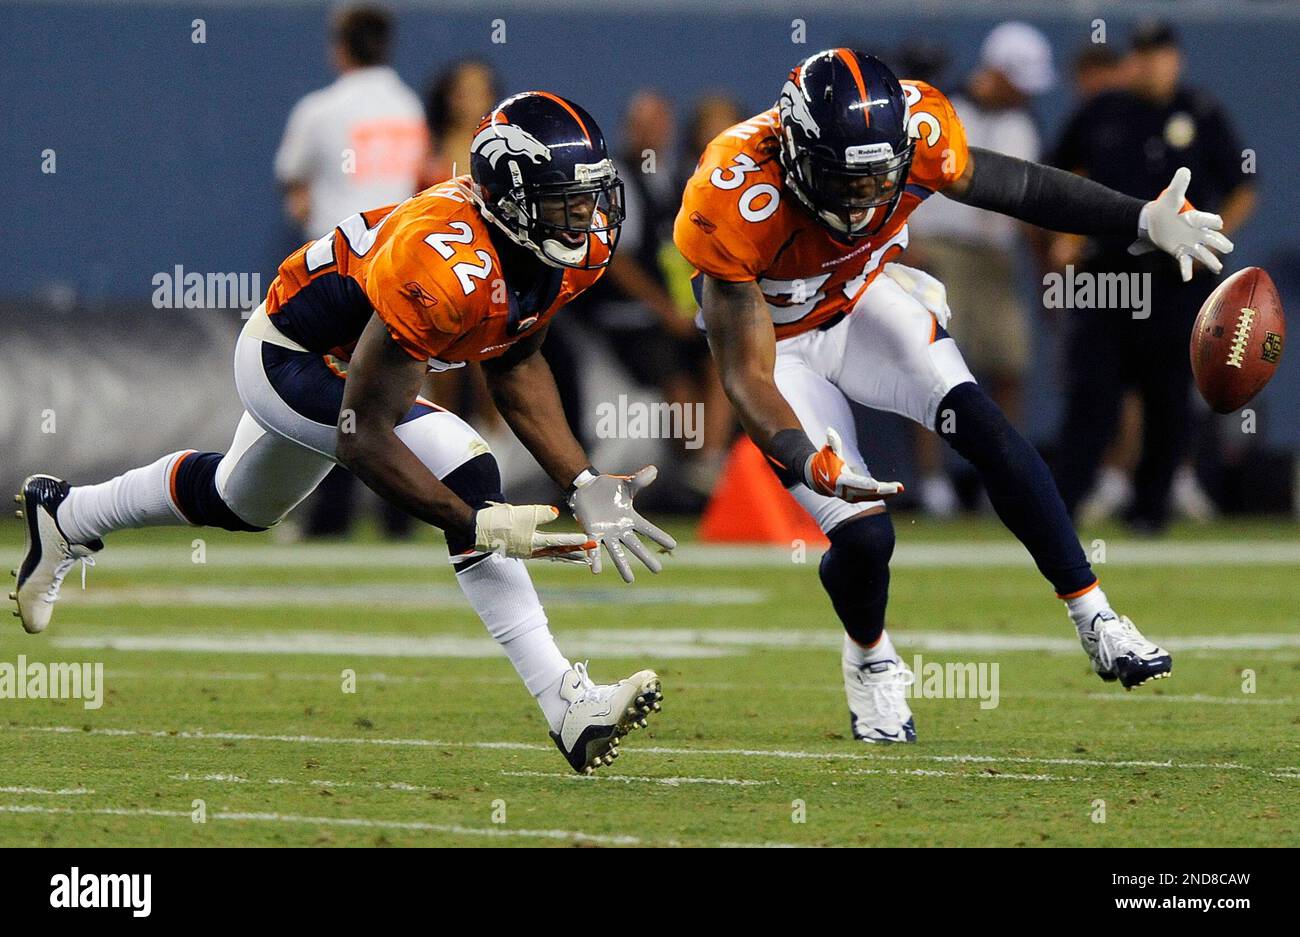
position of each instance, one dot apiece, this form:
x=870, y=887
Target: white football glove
x=924, y=288
x=603, y=506
x=1183, y=235
x=511, y=529
x=827, y=473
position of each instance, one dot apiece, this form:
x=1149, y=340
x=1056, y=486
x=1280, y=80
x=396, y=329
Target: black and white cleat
x=1120, y=652
x=877, y=693
x=600, y=715
x=48, y=556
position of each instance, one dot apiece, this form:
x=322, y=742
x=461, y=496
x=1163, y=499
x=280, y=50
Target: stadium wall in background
x=164, y=146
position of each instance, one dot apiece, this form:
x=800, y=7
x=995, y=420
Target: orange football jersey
x=427, y=267
x=739, y=223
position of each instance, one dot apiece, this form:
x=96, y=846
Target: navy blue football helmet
x=845, y=146
x=542, y=174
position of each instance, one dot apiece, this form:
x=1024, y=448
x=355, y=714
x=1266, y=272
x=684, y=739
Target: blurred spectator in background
x=456, y=99
x=711, y=115
x=974, y=252
x=352, y=146
x=1133, y=141
x=918, y=59
x=1098, y=68
x=649, y=327
x=356, y=144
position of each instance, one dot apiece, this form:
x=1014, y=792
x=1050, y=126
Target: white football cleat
x=877, y=693
x=49, y=556
x=601, y=714
x=1119, y=651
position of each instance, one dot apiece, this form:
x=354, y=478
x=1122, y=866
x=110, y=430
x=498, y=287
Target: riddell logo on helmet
x=868, y=153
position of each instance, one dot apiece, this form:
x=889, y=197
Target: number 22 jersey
x=428, y=268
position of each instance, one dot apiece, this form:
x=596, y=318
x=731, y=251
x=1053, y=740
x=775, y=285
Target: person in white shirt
x=355, y=145
x=358, y=143
x=973, y=253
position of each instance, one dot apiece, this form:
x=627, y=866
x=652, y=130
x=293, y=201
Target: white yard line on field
x=1197, y=698
x=1280, y=771
x=981, y=776
x=392, y=596
x=677, y=684
x=61, y=792
x=292, y=676
x=595, y=644
x=1285, y=772
x=416, y=826
x=666, y=643
x=400, y=786
x=631, y=778
x=1004, y=553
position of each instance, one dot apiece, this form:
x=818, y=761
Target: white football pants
x=279, y=456
x=888, y=354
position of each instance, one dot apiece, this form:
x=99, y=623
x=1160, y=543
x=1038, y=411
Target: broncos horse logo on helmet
x=542, y=174
x=496, y=140
x=793, y=108
x=845, y=145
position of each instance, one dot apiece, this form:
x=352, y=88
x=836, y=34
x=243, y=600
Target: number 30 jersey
x=739, y=223
x=428, y=267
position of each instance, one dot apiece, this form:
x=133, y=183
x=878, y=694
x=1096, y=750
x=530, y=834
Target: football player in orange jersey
x=329, y=369
x=792, y=219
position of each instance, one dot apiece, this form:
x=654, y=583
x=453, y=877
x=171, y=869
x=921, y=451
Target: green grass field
x=224, y=686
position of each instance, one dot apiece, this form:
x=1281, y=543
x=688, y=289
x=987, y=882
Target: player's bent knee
x=476, y=482
x=864, y=541
x=196, y=495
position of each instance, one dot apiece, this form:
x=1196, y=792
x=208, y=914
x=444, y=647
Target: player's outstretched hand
x=511, y=529
x=830, y=475
x=603, y=506
x=1184, y=235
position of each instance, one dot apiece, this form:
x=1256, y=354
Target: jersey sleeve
x=422, y=314
x=710, y=232
x=941, y=148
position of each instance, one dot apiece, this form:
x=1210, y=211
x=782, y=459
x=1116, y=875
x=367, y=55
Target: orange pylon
x=750, y=506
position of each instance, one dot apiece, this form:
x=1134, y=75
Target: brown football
x=1237, y=340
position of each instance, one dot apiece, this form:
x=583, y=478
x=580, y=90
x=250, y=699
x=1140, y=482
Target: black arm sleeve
x=1047, y=197
x=791, y=449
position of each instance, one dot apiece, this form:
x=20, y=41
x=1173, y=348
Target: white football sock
x=857, y=655
x=138, y=498
x=1084, y=608
x=502, y=594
